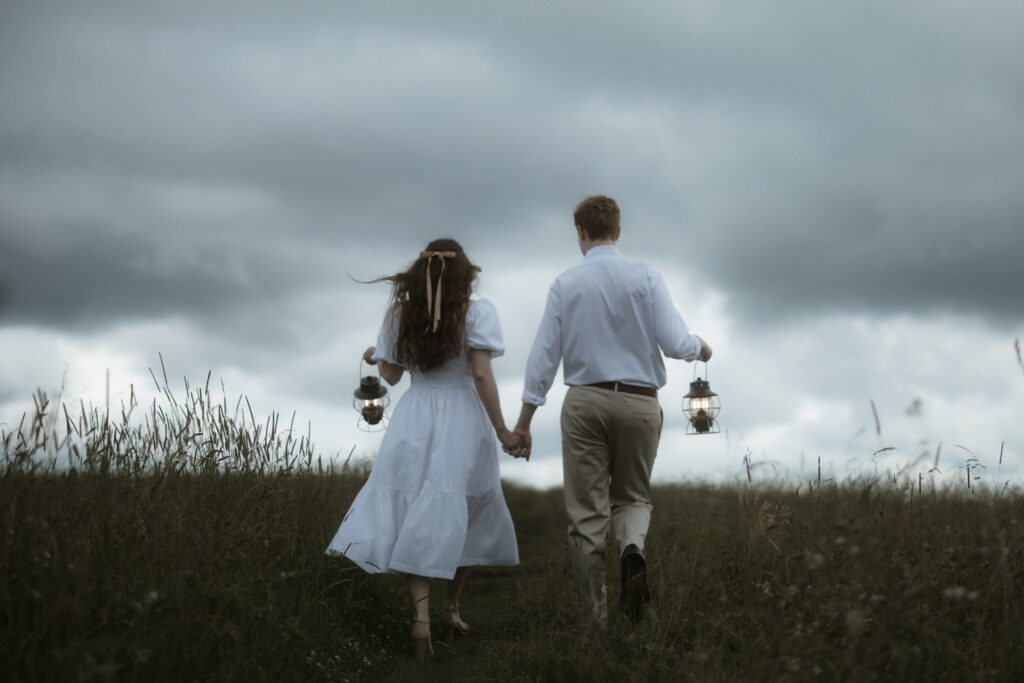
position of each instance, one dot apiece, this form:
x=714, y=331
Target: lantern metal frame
x=371, y=401
x=701, y=405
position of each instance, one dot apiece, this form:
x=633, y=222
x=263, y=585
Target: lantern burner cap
x=370, y=388
x=700, y=388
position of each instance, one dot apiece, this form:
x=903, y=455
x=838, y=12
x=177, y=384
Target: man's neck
x=587, y=245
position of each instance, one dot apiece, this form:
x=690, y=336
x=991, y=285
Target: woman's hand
x=368, y=355
x=510, y=442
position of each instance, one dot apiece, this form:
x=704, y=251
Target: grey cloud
x=807, y=157
x=87, y=278
x=853, y=254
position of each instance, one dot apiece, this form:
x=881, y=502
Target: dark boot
x=634, y=595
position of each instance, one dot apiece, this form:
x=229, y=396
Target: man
x=608, y=320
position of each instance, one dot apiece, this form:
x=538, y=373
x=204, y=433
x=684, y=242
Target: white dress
x=433, y=501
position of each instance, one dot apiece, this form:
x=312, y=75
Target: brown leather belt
x=626, y=388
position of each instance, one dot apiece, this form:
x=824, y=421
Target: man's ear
x=581, y=233
x=618, y=231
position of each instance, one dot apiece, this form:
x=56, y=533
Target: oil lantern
x=371, y=398
x=701, y=406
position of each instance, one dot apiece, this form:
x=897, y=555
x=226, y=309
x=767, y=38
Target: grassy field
x=222, y=577
x=207, y=563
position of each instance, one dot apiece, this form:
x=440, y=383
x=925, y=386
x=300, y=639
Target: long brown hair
x=419, y=344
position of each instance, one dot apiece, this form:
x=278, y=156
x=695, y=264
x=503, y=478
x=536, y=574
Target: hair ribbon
x=434, y=301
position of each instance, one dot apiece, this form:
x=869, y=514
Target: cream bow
x=434, y=305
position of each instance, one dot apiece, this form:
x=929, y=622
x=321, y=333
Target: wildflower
x=954, y=593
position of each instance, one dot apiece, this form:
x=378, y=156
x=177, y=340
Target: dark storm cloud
x=858, y=254
x=185, y=157
x=86, y=279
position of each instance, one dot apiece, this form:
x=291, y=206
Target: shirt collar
x=603, y=250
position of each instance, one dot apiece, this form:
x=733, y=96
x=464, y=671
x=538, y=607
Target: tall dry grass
x=195, y=435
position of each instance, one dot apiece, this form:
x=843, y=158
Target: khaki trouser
x=609, y=441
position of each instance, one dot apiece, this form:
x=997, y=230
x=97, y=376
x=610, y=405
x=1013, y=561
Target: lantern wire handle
x=706, y=375
x=361, y=363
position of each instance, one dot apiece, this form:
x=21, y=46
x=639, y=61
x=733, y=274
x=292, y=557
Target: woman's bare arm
x=487, y=388
x=391, y=373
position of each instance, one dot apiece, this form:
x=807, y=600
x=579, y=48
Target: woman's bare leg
x=452, y=591
x=419, y=591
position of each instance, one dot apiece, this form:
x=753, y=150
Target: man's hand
x=511, y=443
x=525, y=443
x=705, y=350
x=522, y=430
x=367, y=355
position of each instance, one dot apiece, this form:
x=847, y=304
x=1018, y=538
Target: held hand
x=510, y=443
x=526, y=442
x=367, y=355
x=705, y=350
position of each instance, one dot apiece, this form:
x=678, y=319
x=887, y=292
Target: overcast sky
x=834, y=193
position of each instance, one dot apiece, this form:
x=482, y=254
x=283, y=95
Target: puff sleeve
x=483, y=328
x=386, y=338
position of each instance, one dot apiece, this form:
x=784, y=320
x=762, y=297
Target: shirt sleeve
x=546, y=354
x=670, y=331
x=387, y=337
x=483, y=328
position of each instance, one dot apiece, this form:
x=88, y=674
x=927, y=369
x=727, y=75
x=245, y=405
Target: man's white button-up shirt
x=607, y=319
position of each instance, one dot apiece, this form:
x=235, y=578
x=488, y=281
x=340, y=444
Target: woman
x=433, y=505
